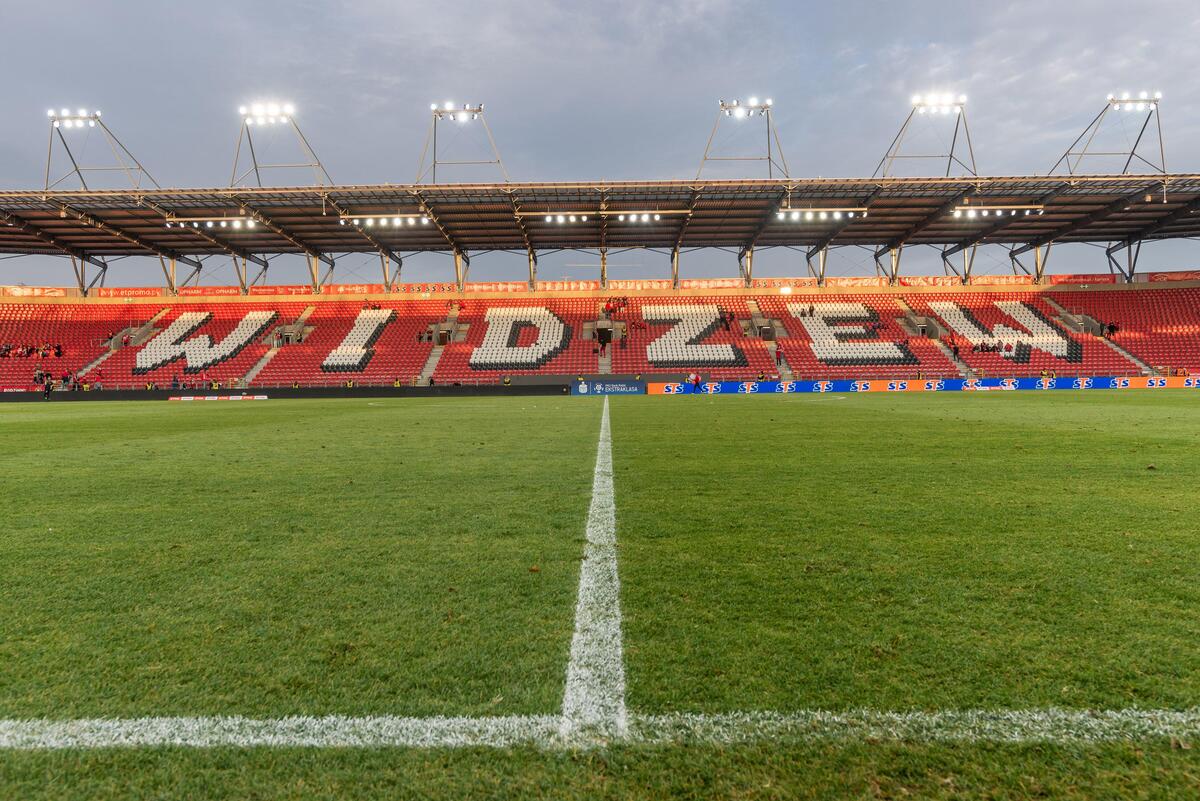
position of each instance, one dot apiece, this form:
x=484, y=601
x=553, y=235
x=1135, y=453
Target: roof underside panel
x=551, y=216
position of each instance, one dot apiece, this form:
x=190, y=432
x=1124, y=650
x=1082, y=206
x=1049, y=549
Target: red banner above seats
x=1083, y=278
x=1181, y=275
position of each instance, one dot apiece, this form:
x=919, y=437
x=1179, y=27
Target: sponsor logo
x=748, y=387
x=583, y=388
x=1008, y=383
x=1191, y=383
x=860, y=386
x=897, y=386
x=822, y=386
x=672, y=389
x=786, y=386
x=712, y=388
x=1119, y=383
x=971, y=383
x=935, y=386
x=1155, y=383
x=1082, y=383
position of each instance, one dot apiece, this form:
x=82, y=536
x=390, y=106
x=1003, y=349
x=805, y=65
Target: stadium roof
x=323, y=221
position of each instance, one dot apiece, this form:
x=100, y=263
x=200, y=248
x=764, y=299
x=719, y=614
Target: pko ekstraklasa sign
x=608, y=388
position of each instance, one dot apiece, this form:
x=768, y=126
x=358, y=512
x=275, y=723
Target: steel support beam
x=390, y=278
x=1120, y=204
x=529, y=249
x=968, y=262
x=168, y=268
x=235, y=252
x=461, y=265
x=1040, y=254
x=926, y=221
x=367, y=235
x=239, y=267
x=604, y=268
x=1001, y=224
x=26, y=227
x=314, y=272
x=822, y=255
x=827, y=240
x=894, y=273
x=746, y=265
x=462, y=261
x=275, y=228
x=675, y=268
x=122, y=234
x=1131, y=259
x=1191, y=207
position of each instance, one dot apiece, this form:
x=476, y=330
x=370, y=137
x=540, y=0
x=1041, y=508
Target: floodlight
x=289, y=109
x=752, y=101
x=769, y=102
x=560, y=219
x=242, y=110
x=66, y=112
x=645, y=218
x=50, y=113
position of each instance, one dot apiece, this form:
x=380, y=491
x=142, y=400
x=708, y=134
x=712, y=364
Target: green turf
x=300, y=557
x=376, y=557
x=1119, y=772
x=910, y=552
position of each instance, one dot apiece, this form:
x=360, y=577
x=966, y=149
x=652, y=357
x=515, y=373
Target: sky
x=574, y=91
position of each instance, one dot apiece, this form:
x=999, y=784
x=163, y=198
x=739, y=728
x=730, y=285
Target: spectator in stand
x=778, y=354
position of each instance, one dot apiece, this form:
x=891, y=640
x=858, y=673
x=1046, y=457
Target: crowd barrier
x=927, y=385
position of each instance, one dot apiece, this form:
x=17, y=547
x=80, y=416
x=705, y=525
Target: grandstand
x=790, y=330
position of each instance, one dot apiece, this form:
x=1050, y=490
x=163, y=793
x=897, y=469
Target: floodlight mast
x=67, y=120
x=453, y=112
x=1146, y=103
x=736, y=109
x=267, y=115
x=933, y=105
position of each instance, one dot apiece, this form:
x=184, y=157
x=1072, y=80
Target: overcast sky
x=613, y=90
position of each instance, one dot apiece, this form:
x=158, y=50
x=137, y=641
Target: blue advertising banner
x=608, y=388
x=924, y=385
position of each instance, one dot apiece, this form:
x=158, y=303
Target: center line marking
x=594, y=698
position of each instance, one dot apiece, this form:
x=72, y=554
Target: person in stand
x=778, y=355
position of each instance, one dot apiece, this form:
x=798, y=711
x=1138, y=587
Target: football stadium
x=707, y=531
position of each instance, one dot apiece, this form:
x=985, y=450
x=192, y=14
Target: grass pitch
x=420, y=557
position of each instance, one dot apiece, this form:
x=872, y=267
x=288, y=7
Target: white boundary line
x=594, y=698
x=594, y=711
x=1049, y=725
x=1063, y=726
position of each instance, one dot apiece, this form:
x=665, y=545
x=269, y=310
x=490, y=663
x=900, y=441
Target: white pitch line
x=594, y=698
x=303, y=732
x=1049, y=725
